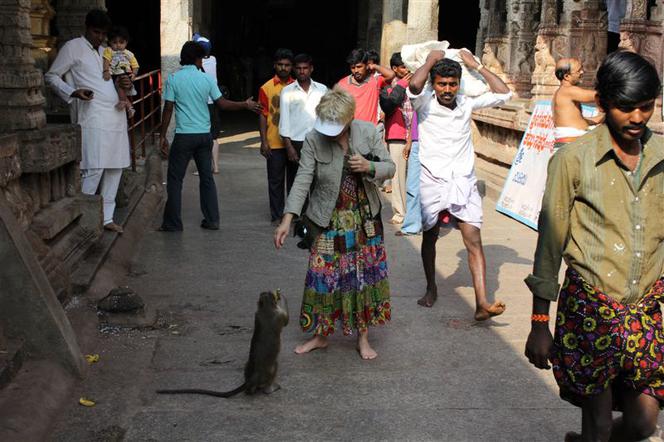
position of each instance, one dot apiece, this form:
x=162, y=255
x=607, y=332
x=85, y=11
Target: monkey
x=261, y=368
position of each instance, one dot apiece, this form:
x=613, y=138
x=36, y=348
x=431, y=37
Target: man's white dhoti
x=458, y=195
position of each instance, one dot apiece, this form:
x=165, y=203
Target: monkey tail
x=226, y=394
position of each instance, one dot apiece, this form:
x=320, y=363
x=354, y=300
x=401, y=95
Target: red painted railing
x=146, y=122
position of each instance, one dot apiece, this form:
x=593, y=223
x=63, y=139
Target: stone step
x=96, y=255
x=52, y=220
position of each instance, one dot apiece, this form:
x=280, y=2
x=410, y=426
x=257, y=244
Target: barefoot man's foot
x=495, y=309
x=363, y=347
x=312, y=344
x=428, y=299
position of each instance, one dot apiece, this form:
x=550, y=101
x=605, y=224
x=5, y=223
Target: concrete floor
x=439, y=375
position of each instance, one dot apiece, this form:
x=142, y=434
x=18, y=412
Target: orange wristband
x=540, y=318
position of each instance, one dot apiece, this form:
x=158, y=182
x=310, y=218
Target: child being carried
x=119, y=62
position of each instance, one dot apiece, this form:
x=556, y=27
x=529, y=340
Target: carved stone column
x=642, y=31
x=20, y=82
x=394, y=29
x=492, y=38
x=70, y=17
x=43, y=43
x=544, y=79
x=523, y=23
x=422, y=21
x=587, y=41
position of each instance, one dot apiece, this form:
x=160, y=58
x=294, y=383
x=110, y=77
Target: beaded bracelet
x=540, y=318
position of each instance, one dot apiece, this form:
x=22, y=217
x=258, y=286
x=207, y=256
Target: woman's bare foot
x=485, y=312
x=312, y=344
x=364, y=348
x=429, y=298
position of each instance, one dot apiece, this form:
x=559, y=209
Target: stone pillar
x=422, y=21
x=375, y=26
x=492, y=38
x=394, y=29
x=645, y=36
x=544, y=80
x=523, y=21
x=587, y=36
x=41, y=14
x=175, y=31
x=20, y=82
x=70, y=17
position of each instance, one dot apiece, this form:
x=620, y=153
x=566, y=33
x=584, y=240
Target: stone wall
x=39, y=172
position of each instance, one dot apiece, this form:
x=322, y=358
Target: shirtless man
x=567, y=117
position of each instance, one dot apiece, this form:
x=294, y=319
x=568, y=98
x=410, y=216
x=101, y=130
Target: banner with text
x=521, y=197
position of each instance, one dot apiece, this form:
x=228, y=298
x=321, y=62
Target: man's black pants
x=184, y=147
x=280, y=173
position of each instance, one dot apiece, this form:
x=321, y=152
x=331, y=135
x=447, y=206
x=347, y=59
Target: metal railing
x=146, y=122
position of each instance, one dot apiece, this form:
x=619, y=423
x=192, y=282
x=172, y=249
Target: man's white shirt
x=298, y=109
x=103, y=128
x=446, y=148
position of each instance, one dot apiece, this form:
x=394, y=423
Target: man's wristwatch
x=479, y=66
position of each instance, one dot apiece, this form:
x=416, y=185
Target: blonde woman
x=341, y=163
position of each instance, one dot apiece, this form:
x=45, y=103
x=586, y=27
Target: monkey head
x=275, y=303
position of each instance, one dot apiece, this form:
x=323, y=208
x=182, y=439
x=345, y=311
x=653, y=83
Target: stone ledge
x=52, y=147
x=56, y=217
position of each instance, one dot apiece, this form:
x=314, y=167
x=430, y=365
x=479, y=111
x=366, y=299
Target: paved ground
x=439, y=375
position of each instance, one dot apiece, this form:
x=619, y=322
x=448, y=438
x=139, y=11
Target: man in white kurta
x=448, y=186
x=105, y=142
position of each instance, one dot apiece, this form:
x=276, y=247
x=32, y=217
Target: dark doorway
x=246, y=33
x=142, y=19
x=458, y=22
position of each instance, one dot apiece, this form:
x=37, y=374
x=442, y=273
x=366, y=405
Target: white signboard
x=522, y=193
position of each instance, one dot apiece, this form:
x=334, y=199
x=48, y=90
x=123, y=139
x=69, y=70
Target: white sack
x=414, y=56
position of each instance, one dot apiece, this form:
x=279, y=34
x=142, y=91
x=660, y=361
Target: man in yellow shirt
x=281, y=161
x=602, y=214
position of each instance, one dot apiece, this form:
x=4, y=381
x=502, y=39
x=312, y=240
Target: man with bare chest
x=568, y=120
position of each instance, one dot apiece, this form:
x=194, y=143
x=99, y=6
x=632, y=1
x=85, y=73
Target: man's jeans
x=412, y=223
x=280, y=176
x=184, y=147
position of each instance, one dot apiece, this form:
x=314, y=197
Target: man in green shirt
x=602, y=213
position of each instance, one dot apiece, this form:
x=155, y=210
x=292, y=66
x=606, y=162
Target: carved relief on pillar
x=41, y=14
x=20, y=82
x=544, y=80
x=587, y=39
x=551, y=11
x=70, y=17
x=524, y=21
x=491, y=61
x=644, y=36
x=638, y=10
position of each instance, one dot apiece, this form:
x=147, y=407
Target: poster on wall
x=521, y=197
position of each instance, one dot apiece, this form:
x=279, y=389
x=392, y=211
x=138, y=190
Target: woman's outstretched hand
x=281, y=232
